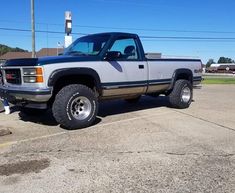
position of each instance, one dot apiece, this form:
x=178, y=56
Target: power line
x=144, y=40
x=39, y=31
x=151, y=38
x=29, y=36
x=125, y=2
x=182, y=40
x=133, y=29
x=156, y=30
x=187, y=38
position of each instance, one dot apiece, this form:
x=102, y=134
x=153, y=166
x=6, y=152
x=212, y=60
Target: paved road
x=146, y=147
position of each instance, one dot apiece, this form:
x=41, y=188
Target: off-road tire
x=63, y=106
x=175, y=97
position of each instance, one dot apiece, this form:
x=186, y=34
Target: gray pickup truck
x=94, y=68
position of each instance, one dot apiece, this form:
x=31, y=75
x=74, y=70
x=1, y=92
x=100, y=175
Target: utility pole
x=33, y=29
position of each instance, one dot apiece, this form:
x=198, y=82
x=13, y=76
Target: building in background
x=41, y=53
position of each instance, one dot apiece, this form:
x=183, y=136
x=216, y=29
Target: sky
x=184, y=28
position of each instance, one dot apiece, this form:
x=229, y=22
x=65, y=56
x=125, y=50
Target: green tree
x=4, y=49
x=210, y=61
x=223, y=60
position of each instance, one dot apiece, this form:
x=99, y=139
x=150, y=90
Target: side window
x=127, y=47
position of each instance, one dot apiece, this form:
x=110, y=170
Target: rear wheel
x=181, y=95
x=75, y=107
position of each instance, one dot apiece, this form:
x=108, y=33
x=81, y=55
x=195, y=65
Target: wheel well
x=180, y=74
x=184, y=76
x=63, y=81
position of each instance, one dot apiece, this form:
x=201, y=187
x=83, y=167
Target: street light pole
x=33, y=29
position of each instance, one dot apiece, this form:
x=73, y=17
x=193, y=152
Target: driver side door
x=127, y=74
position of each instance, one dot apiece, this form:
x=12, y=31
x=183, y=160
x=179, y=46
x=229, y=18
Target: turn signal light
x=39, y=71
x=39, y=79
x=33, y=75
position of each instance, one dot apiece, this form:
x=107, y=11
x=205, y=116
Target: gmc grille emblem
x=10, y=76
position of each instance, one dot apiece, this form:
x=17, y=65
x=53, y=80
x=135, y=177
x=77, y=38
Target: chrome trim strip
x=159, y=83
x=123, y=91
x=157, y=88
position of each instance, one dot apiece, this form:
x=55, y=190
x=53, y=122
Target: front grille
x=13, y=76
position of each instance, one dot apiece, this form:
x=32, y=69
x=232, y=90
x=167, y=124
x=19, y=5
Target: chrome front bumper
x=25, y=94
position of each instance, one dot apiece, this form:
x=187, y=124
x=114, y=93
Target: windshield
x=88, y=45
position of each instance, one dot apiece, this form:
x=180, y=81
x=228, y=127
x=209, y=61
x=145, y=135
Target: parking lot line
x=205, y=120
x=95, y=126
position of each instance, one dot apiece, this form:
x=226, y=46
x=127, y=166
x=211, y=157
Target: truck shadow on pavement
x=107, y=108
x=45, y=119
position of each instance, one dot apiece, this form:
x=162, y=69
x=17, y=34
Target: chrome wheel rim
x=186, y=95
x=81, y=108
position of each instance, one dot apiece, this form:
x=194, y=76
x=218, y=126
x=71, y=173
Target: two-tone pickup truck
x=93, y=68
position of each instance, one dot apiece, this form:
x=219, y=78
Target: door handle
x=141, y=66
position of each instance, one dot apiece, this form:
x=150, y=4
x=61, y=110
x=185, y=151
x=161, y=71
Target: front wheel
x=181, y=95
x=75, y=107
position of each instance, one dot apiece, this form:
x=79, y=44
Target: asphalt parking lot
x=144, y=147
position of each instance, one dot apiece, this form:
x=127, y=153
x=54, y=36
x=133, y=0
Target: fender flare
x=177, y=73
x=57, y=74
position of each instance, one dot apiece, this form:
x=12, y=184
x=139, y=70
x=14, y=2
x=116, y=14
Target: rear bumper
x=25, y=96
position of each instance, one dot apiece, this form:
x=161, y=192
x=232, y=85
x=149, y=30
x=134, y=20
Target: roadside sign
x=68, y=15
x=68, y=22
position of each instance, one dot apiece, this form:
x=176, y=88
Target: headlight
x=32, y=71
x=33, y=75
x=29, y=71
x=30, y=79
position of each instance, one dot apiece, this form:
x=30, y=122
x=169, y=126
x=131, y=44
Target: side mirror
x=112, y=55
